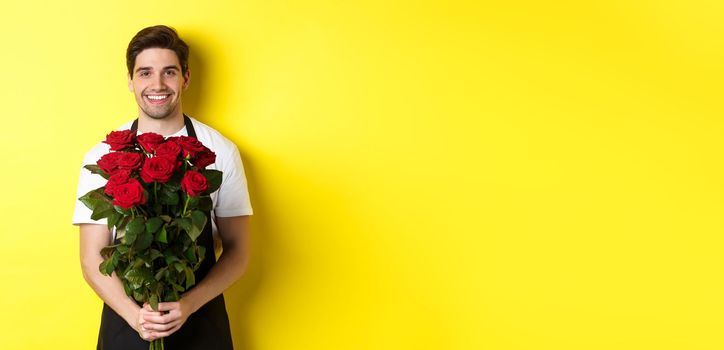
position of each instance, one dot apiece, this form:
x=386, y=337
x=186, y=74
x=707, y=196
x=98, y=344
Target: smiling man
x=158, y=74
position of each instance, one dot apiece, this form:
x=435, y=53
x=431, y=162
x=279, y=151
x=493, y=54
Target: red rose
x=119, y=178
x=129, y=194
x=189, y=145
x=120, y=139
x=129, y=160
x=157, y=169
x=204, y=158
x=109, y=162
x=194, y=183
x=168, y=149
x=149, y=141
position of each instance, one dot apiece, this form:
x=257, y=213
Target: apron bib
x=205, y=329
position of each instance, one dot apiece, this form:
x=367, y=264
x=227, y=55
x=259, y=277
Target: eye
x=171, y=73
x=144, y=73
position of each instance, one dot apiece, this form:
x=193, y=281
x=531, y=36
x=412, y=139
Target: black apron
x=205, y=329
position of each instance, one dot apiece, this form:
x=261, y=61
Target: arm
x=93, y=238
x=231, y=265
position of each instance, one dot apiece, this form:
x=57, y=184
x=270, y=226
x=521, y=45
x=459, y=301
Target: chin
x=158, y=116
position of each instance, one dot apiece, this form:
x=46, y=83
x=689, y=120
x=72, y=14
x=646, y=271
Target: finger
x=145, y=313
x=160, y=319
x=146, y=335
x=148, y=307
x=157, y=327
x=168, y=306
x=167, y=333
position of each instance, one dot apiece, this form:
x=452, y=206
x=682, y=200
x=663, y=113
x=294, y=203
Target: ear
x=130, y=83
x=187, y=78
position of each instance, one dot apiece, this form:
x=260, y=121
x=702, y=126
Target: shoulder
x=95, y=153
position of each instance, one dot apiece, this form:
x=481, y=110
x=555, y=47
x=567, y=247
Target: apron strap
x=187, y=121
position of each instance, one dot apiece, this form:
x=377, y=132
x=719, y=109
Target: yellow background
x=425, y=175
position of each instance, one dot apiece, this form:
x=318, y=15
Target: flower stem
x=188, y=198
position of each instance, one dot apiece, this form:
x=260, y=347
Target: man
x=157, y=62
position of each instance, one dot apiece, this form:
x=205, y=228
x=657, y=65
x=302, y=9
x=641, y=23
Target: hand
x=141, y=323
x=169, y=318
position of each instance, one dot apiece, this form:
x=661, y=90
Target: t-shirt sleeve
x=233, y=195
x=87, y=182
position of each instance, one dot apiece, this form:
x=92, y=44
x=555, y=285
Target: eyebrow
x=164, y=68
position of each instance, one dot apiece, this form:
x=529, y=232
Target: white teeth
x=156, y=97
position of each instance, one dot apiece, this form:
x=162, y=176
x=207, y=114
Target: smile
x=157, y=99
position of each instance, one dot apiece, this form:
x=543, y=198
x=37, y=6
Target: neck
x=165, y=127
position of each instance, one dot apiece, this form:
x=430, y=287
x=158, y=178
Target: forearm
x=229, y=268
x=93, y=238
x=110, y=289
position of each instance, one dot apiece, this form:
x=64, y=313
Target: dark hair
x=159, y=36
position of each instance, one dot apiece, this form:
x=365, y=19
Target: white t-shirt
x=232, y=198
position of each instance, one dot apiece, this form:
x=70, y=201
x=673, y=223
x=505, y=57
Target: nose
x=157, y=82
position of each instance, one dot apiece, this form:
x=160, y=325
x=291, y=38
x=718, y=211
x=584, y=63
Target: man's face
x=157, y=83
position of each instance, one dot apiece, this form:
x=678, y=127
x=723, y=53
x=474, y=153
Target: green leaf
x=136, y=225
x=179, y=266
x=95, y=169
x=122, y=210
x=115, y=259
x=177, y=287
x=114, y=218
x=190, y=278
x=165, y=218
x=161, y=235
x=107, y=251
x=138, y=277
x=202, y=252
x=143, y=240
x=193, y=202
x=94, y=197
x=138, y=296
x=173, y=296
x=190, y=254
x=161, y=273
x=168, y=196
x=184, y=223
x=153, y=224
x=170, y=258
x=133, y=229
x=213, y=177
x=129, y=238
x=127, y=288
x=106, y=267
x=172, y=186
x=155, y=254
x=102, y=210
x=138, y=263
x=121, y=225
x=198, y=220
x=153, y=300
x=122, y=249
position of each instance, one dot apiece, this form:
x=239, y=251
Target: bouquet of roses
x=156, y=199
